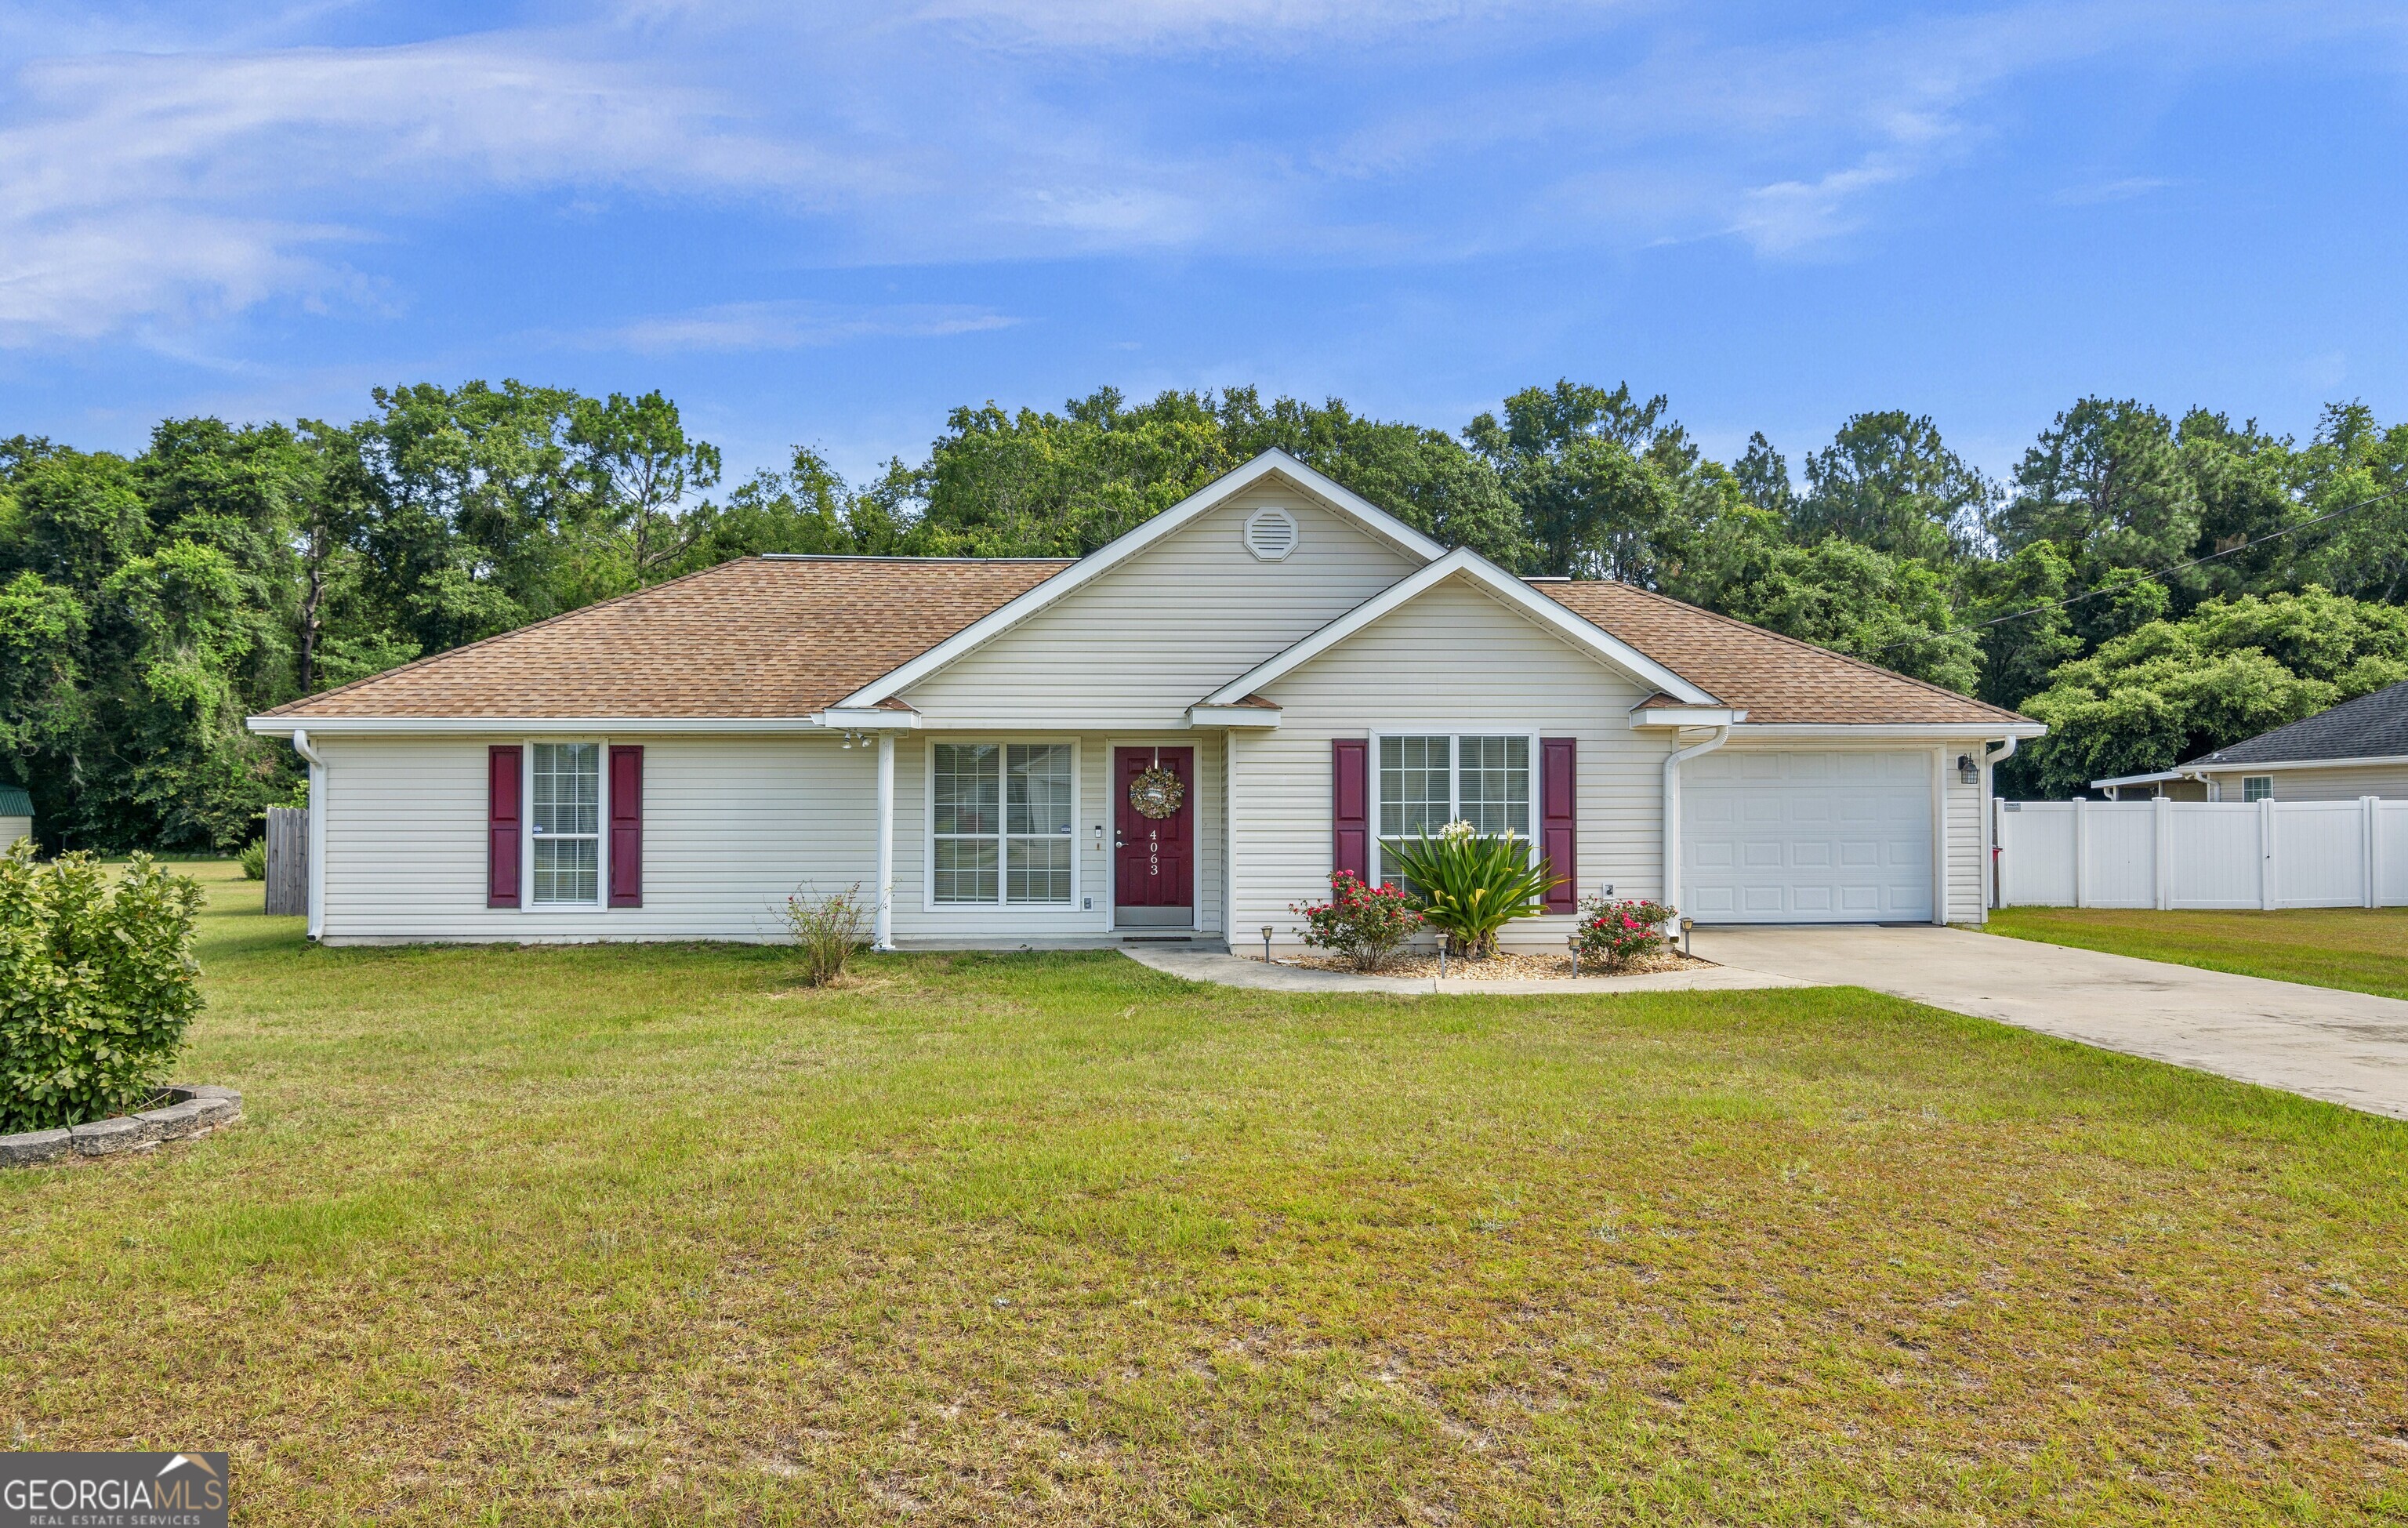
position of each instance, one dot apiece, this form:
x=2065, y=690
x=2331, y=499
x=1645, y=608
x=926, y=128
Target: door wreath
x=1156, y=793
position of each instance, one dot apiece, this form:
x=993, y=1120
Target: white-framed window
x=1002, y=826
x=2256, y=787
x=1422, y=781
x=563, y=793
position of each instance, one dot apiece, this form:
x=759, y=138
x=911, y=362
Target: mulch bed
x=1506, y=966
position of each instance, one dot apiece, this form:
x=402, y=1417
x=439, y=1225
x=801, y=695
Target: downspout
x=1672, y=811
x=316, y=870
x=1992, y=755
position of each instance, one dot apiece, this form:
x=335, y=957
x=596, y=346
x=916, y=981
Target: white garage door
x=1806, y=838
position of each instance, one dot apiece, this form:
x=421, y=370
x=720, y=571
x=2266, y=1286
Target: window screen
x=1004, y=820
x=565, y=811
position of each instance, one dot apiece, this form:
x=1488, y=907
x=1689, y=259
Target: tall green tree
x=1888, y=481
x=2172, y=690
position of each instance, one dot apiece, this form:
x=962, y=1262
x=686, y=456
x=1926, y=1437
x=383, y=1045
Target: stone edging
x=191, y=1109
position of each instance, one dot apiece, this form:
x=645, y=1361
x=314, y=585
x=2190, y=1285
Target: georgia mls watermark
x=112, y=1491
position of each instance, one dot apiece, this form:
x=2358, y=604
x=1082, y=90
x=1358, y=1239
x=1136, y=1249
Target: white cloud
x=156, y=187
x=792, y=326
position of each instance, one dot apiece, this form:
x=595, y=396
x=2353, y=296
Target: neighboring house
x=2358, y=748
x=1175, y=737
x=16, y=814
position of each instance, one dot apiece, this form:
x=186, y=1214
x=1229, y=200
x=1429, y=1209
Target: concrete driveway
x=2346, y=1047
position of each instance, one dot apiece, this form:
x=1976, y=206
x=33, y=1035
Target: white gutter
x=280, y=727
x=316, y=869
x=1672, y=811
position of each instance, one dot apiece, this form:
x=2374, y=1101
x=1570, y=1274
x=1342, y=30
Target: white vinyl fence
x=2167, y=854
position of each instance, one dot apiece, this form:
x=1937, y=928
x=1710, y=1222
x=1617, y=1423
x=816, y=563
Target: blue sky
x=829, y=223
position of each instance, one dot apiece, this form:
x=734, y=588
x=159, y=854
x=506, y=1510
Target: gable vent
x=1270, y=534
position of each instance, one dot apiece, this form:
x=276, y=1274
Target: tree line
x=149, y=602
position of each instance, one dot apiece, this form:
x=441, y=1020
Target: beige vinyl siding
x=1140, y=643
x=1454, y=660
x=916, y=922
x=13, y=829
x=732, y=825
x=2331, y=783
x=1962, y=811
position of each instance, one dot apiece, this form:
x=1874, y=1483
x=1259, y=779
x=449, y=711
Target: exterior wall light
x=1968, y=771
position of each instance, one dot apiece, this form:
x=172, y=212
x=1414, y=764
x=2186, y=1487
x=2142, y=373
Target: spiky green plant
x=1472, y=884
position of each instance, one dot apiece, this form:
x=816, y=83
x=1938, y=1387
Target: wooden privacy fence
x=2165, y=854
x=288, y=861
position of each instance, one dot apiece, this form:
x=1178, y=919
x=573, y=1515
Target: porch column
x=883, y=929
x=1670, y=883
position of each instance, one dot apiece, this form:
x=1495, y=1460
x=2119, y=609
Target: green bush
x=97, y=983
x=1472, y=884
x=253, y=861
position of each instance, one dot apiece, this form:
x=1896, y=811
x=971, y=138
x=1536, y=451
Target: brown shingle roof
x=783, y=637
x=758, y=637
x=1774, y=679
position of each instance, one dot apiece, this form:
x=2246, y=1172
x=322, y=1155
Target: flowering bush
x=1472, y=884
x=1611, y=933
x=1366, y=924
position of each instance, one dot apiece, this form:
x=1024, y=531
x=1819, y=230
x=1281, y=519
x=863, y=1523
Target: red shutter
x=502, y=780
x=626, y=826
x=1349, y=796
x=1558, y=817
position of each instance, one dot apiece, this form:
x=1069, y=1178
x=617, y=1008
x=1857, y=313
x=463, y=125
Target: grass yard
x=644, y=1235
x=2361, y=949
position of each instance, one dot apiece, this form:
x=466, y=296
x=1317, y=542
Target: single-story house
x=2357, y=748
x=16, y=814
x=1175, y=737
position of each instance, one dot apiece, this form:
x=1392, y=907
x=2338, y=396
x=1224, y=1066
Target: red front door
x=1154, y=859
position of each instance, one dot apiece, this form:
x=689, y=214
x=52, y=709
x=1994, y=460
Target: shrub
x=1472, y=884
x=97, y=983
x=253, y=861
x=1367, y=925
x=827, y=928
x=1612, y=934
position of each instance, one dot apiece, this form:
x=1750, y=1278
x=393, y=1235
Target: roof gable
x=1332, y=496
x=2374, y=725
x=1464, y=563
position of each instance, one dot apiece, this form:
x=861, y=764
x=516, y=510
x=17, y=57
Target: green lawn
x=2362, y=949
x=642, y=1234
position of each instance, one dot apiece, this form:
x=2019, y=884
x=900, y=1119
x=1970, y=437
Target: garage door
x=1806, y=837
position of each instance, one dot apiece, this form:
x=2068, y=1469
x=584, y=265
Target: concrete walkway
x=2346, y=1048
x=1236, y=970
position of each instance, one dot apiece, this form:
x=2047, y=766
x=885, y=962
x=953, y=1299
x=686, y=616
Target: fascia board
x=1126, y=545
x=1255, y=717
x=1674, y=717
x=868, y=719
x=2200, y=766
x=284, y=727
x=1842, y=731
x=1508, y=589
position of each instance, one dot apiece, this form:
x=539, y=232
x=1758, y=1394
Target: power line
x=2162, y=572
